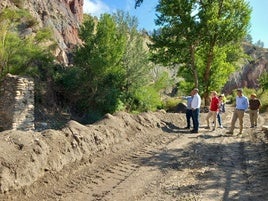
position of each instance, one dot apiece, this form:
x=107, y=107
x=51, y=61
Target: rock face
x=62, y=16
x=250, y=73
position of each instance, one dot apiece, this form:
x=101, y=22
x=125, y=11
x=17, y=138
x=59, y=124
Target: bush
x=264, y=102
x=170, y=104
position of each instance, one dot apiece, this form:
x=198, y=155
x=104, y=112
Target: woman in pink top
x=213, y=109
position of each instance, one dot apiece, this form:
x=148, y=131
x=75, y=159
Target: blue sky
x=146, y=14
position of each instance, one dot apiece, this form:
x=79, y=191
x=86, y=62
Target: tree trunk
x=193, y=67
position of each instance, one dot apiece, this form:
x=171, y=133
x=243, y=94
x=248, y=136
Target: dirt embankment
x=135, y=157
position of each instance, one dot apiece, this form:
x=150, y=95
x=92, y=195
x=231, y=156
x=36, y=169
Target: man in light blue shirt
x=189, y=113
x=241, y=105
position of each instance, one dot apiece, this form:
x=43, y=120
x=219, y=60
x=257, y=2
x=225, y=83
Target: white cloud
x=95, y=7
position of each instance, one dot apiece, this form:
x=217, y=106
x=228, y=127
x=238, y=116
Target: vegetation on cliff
x=22, y=53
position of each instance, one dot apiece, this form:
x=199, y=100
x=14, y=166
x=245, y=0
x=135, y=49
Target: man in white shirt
x=195, y=105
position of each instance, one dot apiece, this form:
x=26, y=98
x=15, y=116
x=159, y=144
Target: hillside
x=250, y=71
x=62, y=16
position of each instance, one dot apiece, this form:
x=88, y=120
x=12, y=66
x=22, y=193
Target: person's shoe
x=186, y=127
x=229, y=132
x=193, y=131
x=221, y=126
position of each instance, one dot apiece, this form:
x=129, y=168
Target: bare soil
x=146, y=157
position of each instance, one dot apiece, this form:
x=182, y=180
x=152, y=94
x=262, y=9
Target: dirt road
x=172, y=165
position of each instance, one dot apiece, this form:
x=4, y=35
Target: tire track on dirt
x=218, y=169
x=171, y=165
x=99, y=179
x=123, y=171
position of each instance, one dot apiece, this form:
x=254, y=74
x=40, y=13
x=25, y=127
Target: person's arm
x=259, y=104
x=246, y=103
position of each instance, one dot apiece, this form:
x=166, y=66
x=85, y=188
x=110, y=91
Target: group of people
x=217, y=107
x=242, y=104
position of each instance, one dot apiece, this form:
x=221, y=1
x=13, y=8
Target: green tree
x=204, y=37
x=100, y=61
x=111, y=69
x=135, y=61
x=248, y=38
x=264, y=81
x=22, y=53
x=259, y=43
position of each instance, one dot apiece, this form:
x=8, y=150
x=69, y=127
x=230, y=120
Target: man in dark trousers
x=254, y=106
x=195, y=105
x=189, y=113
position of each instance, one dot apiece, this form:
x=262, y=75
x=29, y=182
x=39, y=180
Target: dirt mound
x=28, y=156
x=135, y=157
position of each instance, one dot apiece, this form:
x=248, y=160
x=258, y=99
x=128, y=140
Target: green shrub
x=264, y=101
x=170, y=104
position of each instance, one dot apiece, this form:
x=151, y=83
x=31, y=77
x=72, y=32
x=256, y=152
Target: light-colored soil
x=147, y=157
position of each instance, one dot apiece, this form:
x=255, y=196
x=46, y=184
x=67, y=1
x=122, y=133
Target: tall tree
x=112, y=67
x=259, y=43
x=202, y=36
x=100, y=61
x=135, y=60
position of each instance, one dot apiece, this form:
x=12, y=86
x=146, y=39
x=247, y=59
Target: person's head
x=213, y=93
x=220, y=97
x=195, y=91
x=239, y=91
x=253, y=95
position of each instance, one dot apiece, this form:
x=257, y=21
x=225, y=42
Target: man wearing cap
x=195, y=105
x=254, y=106
x=241, y=105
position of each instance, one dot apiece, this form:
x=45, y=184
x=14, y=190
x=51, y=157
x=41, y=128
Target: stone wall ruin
x=16, y=103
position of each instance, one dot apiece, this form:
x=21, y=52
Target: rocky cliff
x=62, y=16
x=254, y=67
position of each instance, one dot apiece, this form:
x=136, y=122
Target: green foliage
x=22, y=55
x=264, y=101
x=203, y=37
x=170, y=104
x=259, y=43
x=100, y=63
x=162, y=81
x=264, y=81
x=249, y=38
x=148, y=99
x=138, y=3
x=111, y=69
